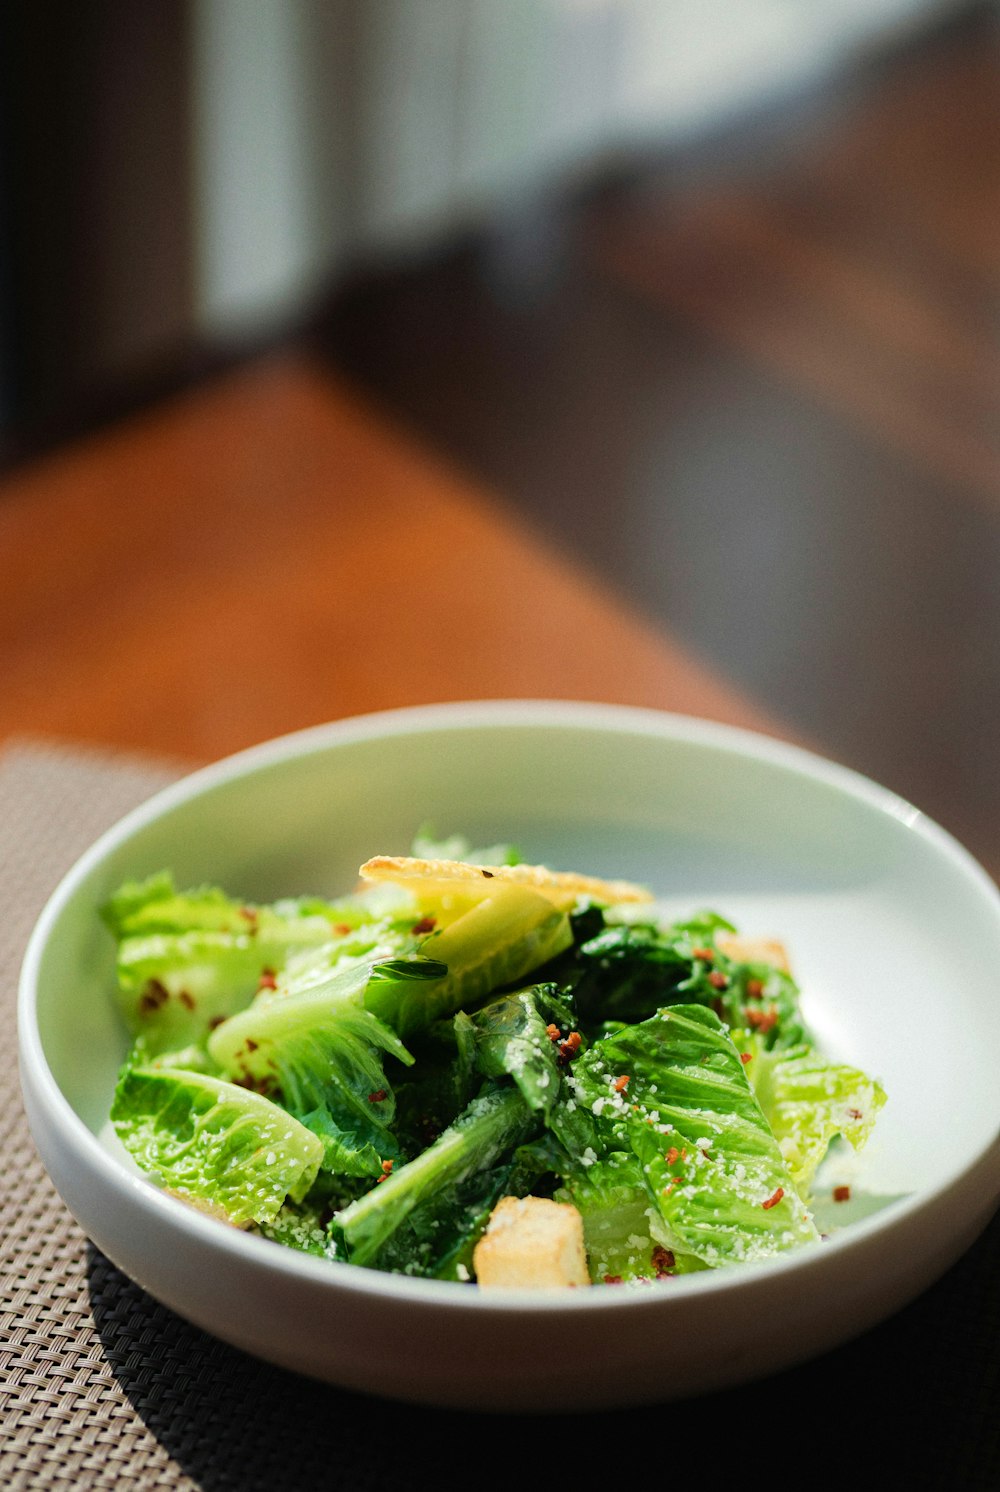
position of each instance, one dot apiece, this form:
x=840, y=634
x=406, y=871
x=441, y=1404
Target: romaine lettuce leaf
x=428, y=846
x=518, y=1036
x=425, y=1212
x=441, y=1083
x=626, y=969
x=499, y=941
x=670, y=1098
x=214, y=1143
x=187, y=960
x=299, y=1226
x=317, y=1047
x=809, y=1100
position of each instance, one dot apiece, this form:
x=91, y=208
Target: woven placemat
x=102, y=1387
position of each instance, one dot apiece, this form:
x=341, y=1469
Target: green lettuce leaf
x=442, y=1082
x=514, y=1037
x=214, y=1143
x=670, y=1098
x=316, y=1046
x=624, y=969
x=499, y=941
x=429, y=846
x=809, y=1100
x=186, y=960
x=425, y=1212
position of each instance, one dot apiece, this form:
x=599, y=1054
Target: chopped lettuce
x=427, y=846
x=365, y=1078
x=809, y=1101
x=497, y=942
x=670, y=1099
x=518, y=1036
x=423, y=1212
x=626, y=970
x=225, y=1148
x=187, y=960
x=315, y=1044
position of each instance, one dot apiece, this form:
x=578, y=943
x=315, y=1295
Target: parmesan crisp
x=560, y=887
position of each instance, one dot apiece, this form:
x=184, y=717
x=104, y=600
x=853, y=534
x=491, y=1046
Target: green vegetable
x=187, y=960
x=498, y=941
x=669, y=1100
x=314, y=1043
x=421, y=1211
x=364, y=1079
x=427, y=846
x=809, y=1101
x=512, y=1038
x=214, y=1143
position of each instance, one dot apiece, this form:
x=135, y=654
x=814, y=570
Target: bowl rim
x=514, y=713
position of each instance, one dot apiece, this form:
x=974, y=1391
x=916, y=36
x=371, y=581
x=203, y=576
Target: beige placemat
x=102, y=1387
x=66, y=1419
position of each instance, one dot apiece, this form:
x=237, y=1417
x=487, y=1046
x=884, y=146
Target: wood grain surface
x=267, y=553
x=757, y=386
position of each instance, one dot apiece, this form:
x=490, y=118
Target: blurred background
x=182, y=177
x=706, y=290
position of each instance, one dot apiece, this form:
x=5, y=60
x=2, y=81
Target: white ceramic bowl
x=895, y=936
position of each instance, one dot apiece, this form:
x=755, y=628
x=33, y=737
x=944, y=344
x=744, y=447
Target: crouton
x=754, y=951
x=531, y=1243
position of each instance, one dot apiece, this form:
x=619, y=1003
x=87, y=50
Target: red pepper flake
x=746, y=1057
x=153, y=996
x=553, y=1032
x=718, y=980
x=249, y=915
x=761, y=1020
x=673, y=1155
x=754, y=988
x=268, y=979
x=621, y=1083
x=341, y=929
x=569, y=1048
x=425, y=925
x=377, y=1096
x=674, y=1181
x=774, y=1198
x=706, y=954
x=662, y=1260
x=254, y=1085
x=386, y=1169
x=854, y=1114
x=612, y=1279
x=841, y=1193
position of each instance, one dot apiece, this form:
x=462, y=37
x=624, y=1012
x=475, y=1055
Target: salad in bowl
x=472, y=1069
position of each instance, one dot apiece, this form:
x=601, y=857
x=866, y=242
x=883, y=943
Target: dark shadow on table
x=915, y=1398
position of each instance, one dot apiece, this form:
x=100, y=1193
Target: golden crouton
x=531, y=1243
x=754, y=951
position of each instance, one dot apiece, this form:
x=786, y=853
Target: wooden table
x=267, y=553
